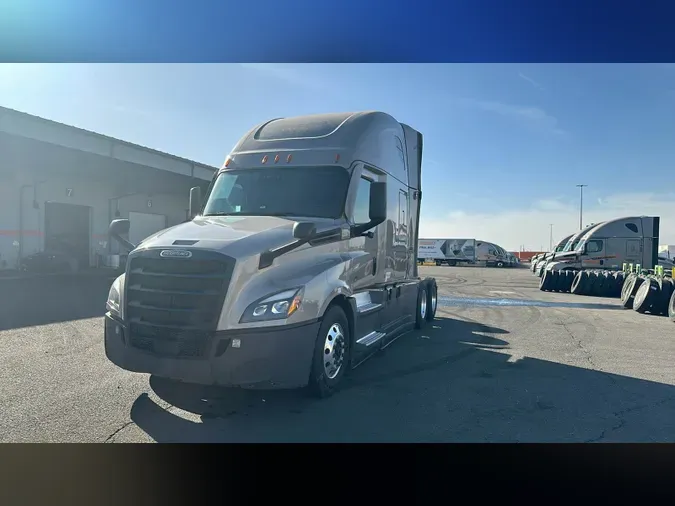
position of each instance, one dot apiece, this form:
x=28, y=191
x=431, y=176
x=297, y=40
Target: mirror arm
x=128, y=245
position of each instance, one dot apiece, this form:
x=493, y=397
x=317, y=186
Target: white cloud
x=533, y=116
x=531, y=81
x=529, y=226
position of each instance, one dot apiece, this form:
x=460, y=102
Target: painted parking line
x=485, y=302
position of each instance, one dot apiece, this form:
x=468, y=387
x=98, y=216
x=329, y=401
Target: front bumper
x=265, y=358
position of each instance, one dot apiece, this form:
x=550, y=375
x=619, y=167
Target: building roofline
x=10, y=111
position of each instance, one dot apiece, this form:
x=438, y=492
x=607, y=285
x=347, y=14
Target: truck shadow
x=52, y=299
x=453, y=382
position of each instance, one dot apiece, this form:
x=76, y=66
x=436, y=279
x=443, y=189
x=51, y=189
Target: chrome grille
x=173, y=304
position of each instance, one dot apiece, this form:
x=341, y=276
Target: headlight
x=278, y=306
x=114, y=296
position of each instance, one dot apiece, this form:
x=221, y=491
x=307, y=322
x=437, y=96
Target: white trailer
x=447, y=251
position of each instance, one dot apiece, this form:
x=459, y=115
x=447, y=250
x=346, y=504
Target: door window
x=594, y=246
x=361, y=212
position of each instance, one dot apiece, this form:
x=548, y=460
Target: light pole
x=550, y=242
x=581, y=205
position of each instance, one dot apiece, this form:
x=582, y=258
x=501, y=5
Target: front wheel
x=331, y=353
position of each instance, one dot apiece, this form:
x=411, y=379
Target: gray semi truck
x=298, y=265
x=606, y=246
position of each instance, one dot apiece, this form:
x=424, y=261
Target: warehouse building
x=60, y=187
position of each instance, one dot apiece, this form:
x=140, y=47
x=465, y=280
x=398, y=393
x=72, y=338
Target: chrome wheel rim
x=423, y=305
x=333, y=350
x=434, y=301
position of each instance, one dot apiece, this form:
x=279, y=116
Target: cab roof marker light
x=264, y=159
x=289, y=158
x=337, y=157
x=227, y=162
x=276, y=158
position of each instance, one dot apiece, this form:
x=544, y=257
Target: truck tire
x=331, y=353
x=591, y=284
x=421, y=309
x=600, y=284
x=608, y=284
x=546, y=281
x=632, y=286
x=577, y=286
x=671, y=307
x=625, y=288
x=618, y=283
x=667, y=288
x=646, y=295
x=562, y=281
x=570, y=279
x=432, y=298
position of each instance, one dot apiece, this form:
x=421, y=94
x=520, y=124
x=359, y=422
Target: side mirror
x=378, y=204
x=195, y=201
x=377, y=211
x=117, y=229
x=303, y=230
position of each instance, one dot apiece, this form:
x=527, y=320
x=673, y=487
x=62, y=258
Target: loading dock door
x=67, y=230
x=144, y=225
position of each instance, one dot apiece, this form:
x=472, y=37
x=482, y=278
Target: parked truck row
x=297, y=266
x=456, y=251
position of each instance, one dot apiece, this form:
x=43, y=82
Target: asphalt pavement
x=503, y=362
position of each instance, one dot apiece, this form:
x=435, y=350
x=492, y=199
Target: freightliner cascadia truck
x=298, y=264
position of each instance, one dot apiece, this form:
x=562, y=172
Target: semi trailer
x=299, y=263
x=447, y=251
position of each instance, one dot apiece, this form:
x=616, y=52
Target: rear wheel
x=422, y=305
x=432, y=299
x=331, y=353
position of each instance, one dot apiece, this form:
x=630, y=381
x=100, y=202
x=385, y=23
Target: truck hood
x=567, y=255
x=237, y=236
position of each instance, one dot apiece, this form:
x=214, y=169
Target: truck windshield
x=571, y=244
x=317, y=192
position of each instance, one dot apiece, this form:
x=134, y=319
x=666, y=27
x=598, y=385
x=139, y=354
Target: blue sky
x=505, y=144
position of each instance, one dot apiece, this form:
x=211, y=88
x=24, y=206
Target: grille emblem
x=175, y=253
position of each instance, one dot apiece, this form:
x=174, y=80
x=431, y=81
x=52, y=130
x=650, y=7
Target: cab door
x=368, y=269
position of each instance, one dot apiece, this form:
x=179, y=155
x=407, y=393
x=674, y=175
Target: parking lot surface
x=503, y=362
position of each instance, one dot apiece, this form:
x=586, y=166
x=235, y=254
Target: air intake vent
x=182, y=242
